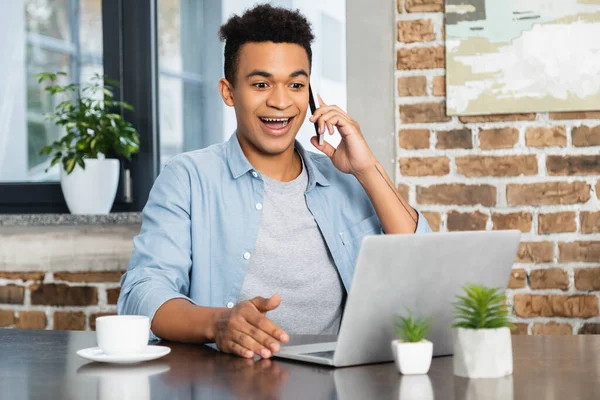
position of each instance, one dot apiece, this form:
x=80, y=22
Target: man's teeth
x=283, y=120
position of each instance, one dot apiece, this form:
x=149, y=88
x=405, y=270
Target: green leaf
x=411, y=329
x=481, y=308
x=69, y=165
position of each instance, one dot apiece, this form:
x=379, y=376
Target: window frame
x=130, y=57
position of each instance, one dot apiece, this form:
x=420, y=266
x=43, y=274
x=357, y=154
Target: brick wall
x=539, y=173
x=62, y=276
x=59, y=300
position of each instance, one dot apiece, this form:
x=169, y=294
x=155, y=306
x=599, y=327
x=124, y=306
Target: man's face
x=270, y=96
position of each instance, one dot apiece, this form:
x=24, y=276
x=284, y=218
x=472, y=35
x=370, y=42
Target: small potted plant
x=95, y=131
x=482, y=341
x=412, y=352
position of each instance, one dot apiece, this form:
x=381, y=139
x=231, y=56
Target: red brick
x=546, y=137
x=24, y=276
x=31, y=320
x=63, y=295
x=520, y=329
x=12, y=294
x=69, y=321
x=573, y=165
x=497, y=165
x=439, y=86
x=587, y=278
x=99, y=276
x=457, y=194
x=470, y=221
x=590, y=222
x=112, y=295
x=434, y=220
x=423, y=113
x=584, y=136
x=535, y=252
x=557, y=222
x=424, y=166
x=575, y=306
x=454, y=139
x=7, y=318
x=575, y=115
x=519, y=220
x=547, y=193
x=552, y=329
x=413, y=139
x=420, y=58
x=551, y=278
x=590, y=329
x=518, y=279
x=412, y=86
x=420, y=30
x=413, y=6
x=501, y=138
x=496, y=118
x=584, y=251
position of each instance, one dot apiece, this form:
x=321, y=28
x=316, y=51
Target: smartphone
x=313, y=107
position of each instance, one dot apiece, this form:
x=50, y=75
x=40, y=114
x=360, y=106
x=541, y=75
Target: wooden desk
x=43, y=365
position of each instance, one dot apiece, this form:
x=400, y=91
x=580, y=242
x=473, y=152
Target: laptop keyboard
x=321, y=354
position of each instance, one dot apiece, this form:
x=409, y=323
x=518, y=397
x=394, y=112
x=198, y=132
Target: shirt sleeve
x=159, y=268
x=422, y=224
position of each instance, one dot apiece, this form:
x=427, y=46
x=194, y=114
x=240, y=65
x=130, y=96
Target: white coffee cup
x=122, y=334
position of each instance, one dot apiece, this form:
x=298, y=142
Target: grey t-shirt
x=291, y=258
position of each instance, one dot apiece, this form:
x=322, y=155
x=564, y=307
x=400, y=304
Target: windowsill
x=32, y=220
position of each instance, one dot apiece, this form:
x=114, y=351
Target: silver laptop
x=419, y=272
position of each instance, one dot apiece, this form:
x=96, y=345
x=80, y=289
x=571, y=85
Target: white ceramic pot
x=482, y=353
x=91, y=190
x=412, y=358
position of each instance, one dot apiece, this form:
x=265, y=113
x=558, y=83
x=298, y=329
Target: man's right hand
x=245, y=330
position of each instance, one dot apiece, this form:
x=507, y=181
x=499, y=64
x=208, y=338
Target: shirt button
x=258, y=206
x=246, y=256
x=230, y=305
x=254, y=174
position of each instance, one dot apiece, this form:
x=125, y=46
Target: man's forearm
x=394, y=212
x=179, y=320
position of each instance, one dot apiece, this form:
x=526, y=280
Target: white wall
x=13, y=107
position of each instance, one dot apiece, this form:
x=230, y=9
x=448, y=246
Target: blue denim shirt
x=201, y=221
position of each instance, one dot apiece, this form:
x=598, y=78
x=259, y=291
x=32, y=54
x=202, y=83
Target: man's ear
x=226, y=89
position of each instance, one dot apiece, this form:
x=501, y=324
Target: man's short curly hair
x=263, y=23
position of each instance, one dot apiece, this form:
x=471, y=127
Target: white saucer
x=149, y=353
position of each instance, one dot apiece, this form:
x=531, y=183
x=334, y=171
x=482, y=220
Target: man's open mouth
x=276, y=123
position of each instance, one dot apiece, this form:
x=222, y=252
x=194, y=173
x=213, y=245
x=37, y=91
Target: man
x=258, y=225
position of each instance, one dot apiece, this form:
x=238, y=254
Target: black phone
x=313, y=107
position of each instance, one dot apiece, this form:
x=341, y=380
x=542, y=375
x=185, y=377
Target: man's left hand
x=353, y=155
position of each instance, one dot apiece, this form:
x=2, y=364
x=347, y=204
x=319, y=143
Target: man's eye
x=260, y=85
x=297, y=85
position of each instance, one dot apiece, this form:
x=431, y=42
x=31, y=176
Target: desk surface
x=43, y=365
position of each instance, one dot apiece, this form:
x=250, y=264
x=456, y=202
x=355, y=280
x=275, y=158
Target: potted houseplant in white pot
x=95, y=132
x=412, y=352
x=482, y=340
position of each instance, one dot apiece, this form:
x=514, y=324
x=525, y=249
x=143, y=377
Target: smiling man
x=258, y=225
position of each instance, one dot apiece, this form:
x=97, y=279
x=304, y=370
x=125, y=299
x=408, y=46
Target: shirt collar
x=239, y=164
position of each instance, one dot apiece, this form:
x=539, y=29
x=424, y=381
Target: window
x=56, y=35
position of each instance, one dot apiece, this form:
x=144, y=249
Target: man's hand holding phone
x=245, y=330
